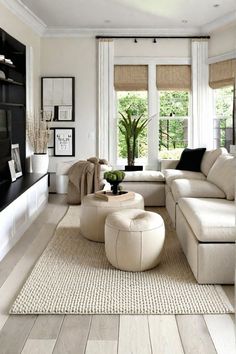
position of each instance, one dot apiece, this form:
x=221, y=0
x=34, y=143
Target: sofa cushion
x=190, y=159
x=144, y=176
x=223, y=174
x=209, y=158
x=195, y=188
x=168, y=163
x=211, y=220
x=171, y=175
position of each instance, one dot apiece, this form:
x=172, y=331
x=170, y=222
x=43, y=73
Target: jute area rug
x=73, y=276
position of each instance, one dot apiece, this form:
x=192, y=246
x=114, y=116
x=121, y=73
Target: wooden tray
x=109, y=196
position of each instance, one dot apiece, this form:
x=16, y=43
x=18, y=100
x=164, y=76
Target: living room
x=150, y=270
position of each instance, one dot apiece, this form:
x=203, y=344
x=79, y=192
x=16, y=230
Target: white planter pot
x=40, y=163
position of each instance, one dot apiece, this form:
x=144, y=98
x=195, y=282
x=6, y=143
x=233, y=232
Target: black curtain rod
x=151, y=37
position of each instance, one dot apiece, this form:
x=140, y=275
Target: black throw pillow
x=190, y=159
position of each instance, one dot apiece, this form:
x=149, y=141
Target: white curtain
x=202, y=127
x=105, y=97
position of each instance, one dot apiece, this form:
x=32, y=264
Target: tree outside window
x=173, y=123
x=223, y=117
x=137, y=101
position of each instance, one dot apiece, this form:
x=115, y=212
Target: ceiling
x=129, y=13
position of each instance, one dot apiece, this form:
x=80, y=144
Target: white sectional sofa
x=181, y=183
x=201, y=206
x=150, y=184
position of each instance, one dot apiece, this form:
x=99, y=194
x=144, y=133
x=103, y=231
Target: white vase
x=40, y=163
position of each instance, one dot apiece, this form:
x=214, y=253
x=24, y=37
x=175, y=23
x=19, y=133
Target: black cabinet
x=13, y=88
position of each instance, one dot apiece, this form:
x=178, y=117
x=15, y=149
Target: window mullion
x=152, y=112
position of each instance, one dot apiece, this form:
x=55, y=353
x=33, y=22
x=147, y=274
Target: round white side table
x=94, y=212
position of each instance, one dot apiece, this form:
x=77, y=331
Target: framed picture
x=64, y=113
x=15, y=153
x=58, y=97
x=11, y=165
x=64, y=141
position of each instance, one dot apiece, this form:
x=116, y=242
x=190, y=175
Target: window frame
x=153, y=109
x=215, y=117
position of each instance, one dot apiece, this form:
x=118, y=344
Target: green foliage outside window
x=174, y=102
x=172, y=132
x=223, y=121
x=137, y=101
x=173, y=135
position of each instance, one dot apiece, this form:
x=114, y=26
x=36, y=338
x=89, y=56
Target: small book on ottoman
x=109, y=196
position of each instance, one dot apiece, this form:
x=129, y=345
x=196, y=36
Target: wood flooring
x=98, y=334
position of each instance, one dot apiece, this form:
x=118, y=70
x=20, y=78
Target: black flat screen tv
x=5, y=145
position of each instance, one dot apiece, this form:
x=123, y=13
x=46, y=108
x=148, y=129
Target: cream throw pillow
x=223, y=174
x=209, y=158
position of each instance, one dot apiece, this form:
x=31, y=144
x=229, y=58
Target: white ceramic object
x=40, y=163
x=2, y=75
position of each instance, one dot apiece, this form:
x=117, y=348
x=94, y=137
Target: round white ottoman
x=134, y=239
x=94, y=212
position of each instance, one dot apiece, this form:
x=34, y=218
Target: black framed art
x=58, y=97
x=64, y=141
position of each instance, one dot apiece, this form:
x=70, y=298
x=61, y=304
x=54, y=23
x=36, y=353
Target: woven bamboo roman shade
x=222, y=73
x=131, y=77
x=174, y=77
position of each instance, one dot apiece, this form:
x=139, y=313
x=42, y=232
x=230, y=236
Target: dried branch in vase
x=38, y=130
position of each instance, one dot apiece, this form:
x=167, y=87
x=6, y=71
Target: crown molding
x=91, y=32
x=222, y=57
x=25, y=15
x=220, y=22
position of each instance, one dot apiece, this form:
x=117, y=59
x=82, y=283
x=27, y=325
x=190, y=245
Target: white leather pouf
x=134, y=239
x=94, y=212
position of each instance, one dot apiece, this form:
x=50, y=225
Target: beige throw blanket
x=84, y=178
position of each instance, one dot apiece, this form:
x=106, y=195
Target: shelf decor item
x=15, y=151
x=114, y=178
x=38, y=134
x=12, y=170
x=132, y=124
x=64, y=141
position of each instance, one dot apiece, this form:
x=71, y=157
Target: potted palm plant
x=38, y=133
x=131, y=126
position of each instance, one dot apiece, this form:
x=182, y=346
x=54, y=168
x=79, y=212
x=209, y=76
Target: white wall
x=222, y=42
x=145, y=47
x=75, y=57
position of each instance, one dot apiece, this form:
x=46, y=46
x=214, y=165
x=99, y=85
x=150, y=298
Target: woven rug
x=73, y=276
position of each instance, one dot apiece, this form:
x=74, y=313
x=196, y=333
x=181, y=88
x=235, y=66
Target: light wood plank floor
x=69, y=334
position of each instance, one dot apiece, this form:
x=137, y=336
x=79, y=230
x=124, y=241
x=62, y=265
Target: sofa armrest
x=168, y=164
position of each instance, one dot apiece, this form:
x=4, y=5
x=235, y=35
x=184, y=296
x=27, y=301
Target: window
x=137, y=101
x=173, y=123
x=223, y=117
x=172, y=84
